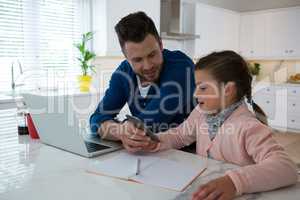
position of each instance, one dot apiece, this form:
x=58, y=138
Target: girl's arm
x=181, y=136
x=273, y=168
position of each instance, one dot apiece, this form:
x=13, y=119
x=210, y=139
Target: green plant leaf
x=80, y=47
x=254, y=68
x=86, y=56
x=89, y=55
x=89, y=35
x=92, y=67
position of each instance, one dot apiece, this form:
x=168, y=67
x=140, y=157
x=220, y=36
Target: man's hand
x=220, y=189
x=110, y=130
x=135, y=140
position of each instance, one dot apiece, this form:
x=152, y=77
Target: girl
x=225, y=129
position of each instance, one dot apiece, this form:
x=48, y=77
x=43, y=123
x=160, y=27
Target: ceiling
x=251, y=5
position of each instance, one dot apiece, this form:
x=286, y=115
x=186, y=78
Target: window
x=38, y=35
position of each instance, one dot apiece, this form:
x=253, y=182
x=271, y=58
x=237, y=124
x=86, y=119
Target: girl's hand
x=221, y=188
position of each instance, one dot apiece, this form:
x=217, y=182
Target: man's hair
x=135, y=27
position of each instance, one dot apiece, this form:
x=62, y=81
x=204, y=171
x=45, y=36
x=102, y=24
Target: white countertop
x=11, y=100
x=31, y=170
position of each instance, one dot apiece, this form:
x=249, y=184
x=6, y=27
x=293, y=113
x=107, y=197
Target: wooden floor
x=291, y=142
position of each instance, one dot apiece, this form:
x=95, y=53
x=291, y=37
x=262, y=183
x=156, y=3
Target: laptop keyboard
x=92, y=147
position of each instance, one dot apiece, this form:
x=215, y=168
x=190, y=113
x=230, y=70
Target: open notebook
x=154, y=170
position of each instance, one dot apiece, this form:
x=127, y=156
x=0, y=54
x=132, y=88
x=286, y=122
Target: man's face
x=145, y=58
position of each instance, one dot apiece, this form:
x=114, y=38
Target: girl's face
x=208, y=92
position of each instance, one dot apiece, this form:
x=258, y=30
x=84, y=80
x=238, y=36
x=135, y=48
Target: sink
x=10, y=96
x=9, y=100
x=5, y=97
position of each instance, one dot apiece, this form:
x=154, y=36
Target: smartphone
x=140, y=125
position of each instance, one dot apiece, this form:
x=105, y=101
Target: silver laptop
x=58, y=125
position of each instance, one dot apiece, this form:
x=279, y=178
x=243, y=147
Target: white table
x=31, y=170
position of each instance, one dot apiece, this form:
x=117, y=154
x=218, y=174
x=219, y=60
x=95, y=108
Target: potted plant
x=254, y=70
x=86, y=57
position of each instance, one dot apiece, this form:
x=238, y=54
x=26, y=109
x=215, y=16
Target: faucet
x=13, y=82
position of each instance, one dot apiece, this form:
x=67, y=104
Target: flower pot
x=85, y=83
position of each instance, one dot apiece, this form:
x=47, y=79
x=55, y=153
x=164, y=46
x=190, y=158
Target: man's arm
x=114, y=99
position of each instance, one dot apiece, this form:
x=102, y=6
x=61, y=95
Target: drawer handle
x=292, y=120
x=268, y=90
x=294, y=91
x=294, y=104
x=268, y=102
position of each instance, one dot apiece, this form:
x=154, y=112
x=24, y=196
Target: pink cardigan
x=241, y=140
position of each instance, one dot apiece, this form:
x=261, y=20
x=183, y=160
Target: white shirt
x=143, y=90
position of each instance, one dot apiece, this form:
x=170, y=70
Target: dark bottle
x=22, y=123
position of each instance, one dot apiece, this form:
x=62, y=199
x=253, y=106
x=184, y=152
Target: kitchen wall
x=272, y=68
x=277, y=71
x=106, y=14
x=105, y=66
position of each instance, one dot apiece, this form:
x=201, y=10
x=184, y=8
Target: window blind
x=39, y=35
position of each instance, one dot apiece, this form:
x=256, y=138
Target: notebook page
x=169, y=174
x=121, y=166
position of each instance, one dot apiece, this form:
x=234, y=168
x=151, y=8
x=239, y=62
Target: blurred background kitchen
x=37, y=51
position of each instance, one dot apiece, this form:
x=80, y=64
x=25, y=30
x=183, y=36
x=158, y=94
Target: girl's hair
x=226, y=66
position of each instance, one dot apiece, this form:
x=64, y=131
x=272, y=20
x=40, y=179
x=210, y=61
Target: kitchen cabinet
x=106, y=14
x=218, y=29
x=283, y=29
x=253, y=35
x=270, y=34
x=280, y=103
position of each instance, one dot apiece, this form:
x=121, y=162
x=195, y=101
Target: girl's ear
x=230, y=89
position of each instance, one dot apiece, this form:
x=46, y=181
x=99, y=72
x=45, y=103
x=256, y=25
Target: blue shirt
x=168, y=102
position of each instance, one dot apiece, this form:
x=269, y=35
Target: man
x=156, y=83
